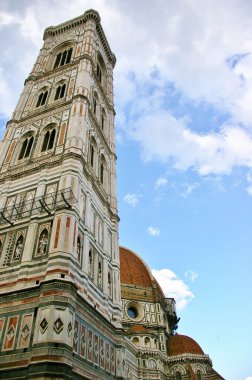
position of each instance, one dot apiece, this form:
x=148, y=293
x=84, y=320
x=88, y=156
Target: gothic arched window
x=63, y=58
x=48, y=141
x=26, y=148
x=42, y=98
x=60, y=91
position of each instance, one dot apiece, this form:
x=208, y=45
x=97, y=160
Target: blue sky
x=183, y=91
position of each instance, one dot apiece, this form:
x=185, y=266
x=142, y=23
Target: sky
x=183, y=94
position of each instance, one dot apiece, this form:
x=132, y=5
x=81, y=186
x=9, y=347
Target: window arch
x=63, y=57
x=60, y=91
x=26, y=147
x=49, y=139
x=42, y=98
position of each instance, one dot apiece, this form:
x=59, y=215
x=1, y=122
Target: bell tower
x=59, y=256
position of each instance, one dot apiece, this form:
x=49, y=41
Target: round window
x=132, y=312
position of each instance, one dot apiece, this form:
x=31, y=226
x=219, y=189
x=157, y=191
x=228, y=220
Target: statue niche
x=42, y=243
x=18, y=248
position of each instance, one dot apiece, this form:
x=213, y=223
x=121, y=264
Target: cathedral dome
x=182, y=344
x=137, y=282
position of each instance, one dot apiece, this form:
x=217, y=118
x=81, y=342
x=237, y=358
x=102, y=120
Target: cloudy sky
x=183, y=94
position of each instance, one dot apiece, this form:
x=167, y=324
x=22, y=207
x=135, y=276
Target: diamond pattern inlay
x=25, y=331
x=58, y=325
x=10, y=333
x=69, y=328
x=43, y=325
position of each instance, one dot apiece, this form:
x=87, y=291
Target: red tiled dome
x=135, y=274
x=133, y=270
x=182, y=344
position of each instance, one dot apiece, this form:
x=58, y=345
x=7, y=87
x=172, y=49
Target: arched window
x=198, y=375
x=178, y=375
x=103, y=119
x=79, y=248
x=42, y=98
x=95, y=103
x=152, y=363
x=103, y=170
x=100, y=274
x=101, y=73
x=136, y=341
x=48, y=141
x=60, y=92
x=90, y=263
x=147, y=342
x=26, y=148
x=63, y=58
x=93, y=153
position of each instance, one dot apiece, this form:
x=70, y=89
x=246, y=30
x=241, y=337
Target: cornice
x=91, y=14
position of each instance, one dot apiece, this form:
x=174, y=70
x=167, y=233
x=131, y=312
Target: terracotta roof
x=137, y=281
x=182, y=344
x=133, y=270
x=139, y=329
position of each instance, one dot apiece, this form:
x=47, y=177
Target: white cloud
x=249, y=378
x=189, y=188
x=160, y=182
x=173, y=287
x=153, y=231
x=132, y=199
x=191, y=275
x=203, y=50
